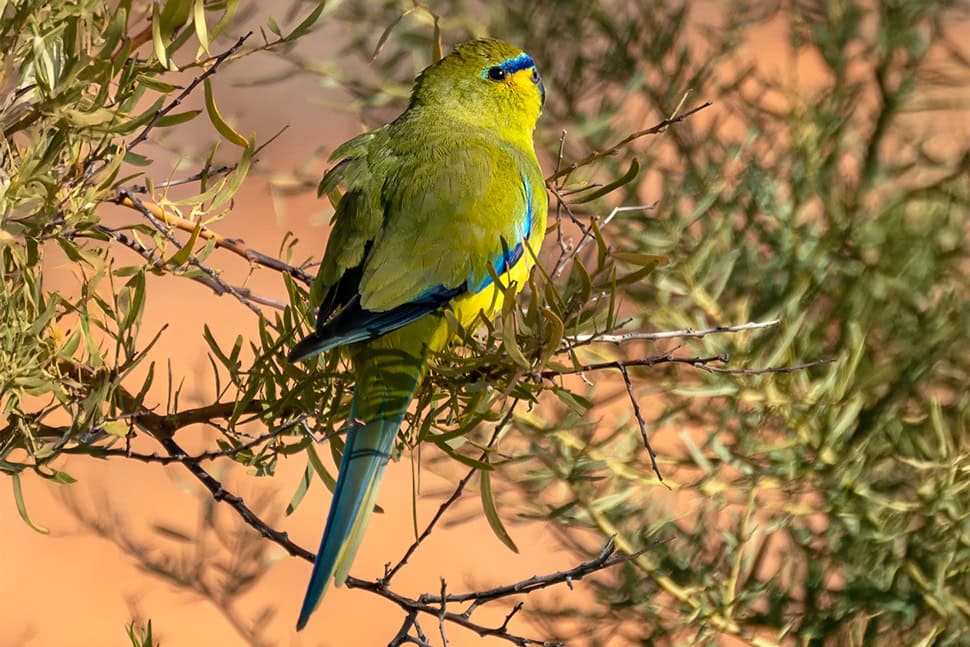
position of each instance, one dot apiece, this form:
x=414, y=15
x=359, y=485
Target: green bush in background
x=826, y=506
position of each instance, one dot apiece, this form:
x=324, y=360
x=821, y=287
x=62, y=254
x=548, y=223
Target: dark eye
x=535, y=75
x=496, y=73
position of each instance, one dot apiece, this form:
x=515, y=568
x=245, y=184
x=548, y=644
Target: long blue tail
x=366, y=453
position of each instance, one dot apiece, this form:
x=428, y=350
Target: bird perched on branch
x=437, y=205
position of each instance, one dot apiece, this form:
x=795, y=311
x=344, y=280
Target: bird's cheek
x=526, y=87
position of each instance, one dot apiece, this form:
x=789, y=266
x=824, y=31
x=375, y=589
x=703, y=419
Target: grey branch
x=671, y=334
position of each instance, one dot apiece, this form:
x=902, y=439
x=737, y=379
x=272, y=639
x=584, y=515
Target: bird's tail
x=385, y=385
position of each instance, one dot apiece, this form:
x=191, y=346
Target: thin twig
x=653, y=130
x=443, y=615
x=184, y=94
x=639, y=416
x=671, y=334
x=704, y=363
x=205, y=280
x=616, y=211
x=459, y=489
x=605, y=558
x=206, y=173
x=234, y=245
x=104, y=452
x=192, y=259
x=404, y=633
x=221, y=494
x=791, y=368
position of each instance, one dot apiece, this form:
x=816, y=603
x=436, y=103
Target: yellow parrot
x=435, y=203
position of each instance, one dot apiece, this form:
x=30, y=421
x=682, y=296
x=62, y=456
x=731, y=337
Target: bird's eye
x=496, y=73
x=535, y=75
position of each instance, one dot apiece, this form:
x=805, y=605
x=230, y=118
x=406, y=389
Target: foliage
x=141, y=636
x=826, y=506
x=821, y=506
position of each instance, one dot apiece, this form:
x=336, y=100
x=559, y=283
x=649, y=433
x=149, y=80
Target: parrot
x=436, y=205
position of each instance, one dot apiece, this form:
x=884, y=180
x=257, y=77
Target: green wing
x=416, y=228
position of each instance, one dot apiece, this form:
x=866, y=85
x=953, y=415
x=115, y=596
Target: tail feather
x=365, y=456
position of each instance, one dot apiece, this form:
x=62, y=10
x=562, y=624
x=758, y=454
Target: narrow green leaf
x=177, y=118
x=137, y=160
x=301, y=489
x=319, y=468
x=273, y=27
x=198, y=18
x=157, y=43
x=137, y=286
x=183, y=254
x=155, y=84
x=220, y=124
x=511, y=343
x=461, y=458
x=555, y=330
x=18, y=497
x=307, y=22
x=494, y=521
x=627, y=177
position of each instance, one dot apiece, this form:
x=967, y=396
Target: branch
x=184, y=94
x=705, y=363
x=607, y=557
x=671, y=334
x=390, y=572
x=205, y=280
x=639, y=416
x=413, y=607
x=105, y=452
x=220, y=494
x=192, y=259
x=236, y=246
x=207, y=173
x=653, y=130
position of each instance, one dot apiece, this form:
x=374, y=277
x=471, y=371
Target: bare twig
x=653, y=130
x=404, y=633
x=192, y=259
x=587, y=239
x=791, y=368
x=234, y=245
x=104, y=452
x=205, y=280
x=431, y=606
x=604, y=559
x=705, y=363
x=639, y=416
x=207, y=173
x=671, y=334
x=442, y=616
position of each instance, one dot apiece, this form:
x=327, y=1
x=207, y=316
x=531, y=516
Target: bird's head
x=485, y=82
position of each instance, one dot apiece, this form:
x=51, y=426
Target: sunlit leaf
x=491, y=514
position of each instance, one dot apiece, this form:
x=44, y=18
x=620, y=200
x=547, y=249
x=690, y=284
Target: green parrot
x=436, y=203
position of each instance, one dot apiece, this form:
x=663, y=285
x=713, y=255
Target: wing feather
x=430, y=231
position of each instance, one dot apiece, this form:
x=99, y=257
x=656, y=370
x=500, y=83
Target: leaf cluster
x=825, y=506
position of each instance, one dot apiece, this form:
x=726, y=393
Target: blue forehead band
x=513, y=65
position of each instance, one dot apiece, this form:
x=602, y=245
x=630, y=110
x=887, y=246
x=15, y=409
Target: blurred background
x=827, y=187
